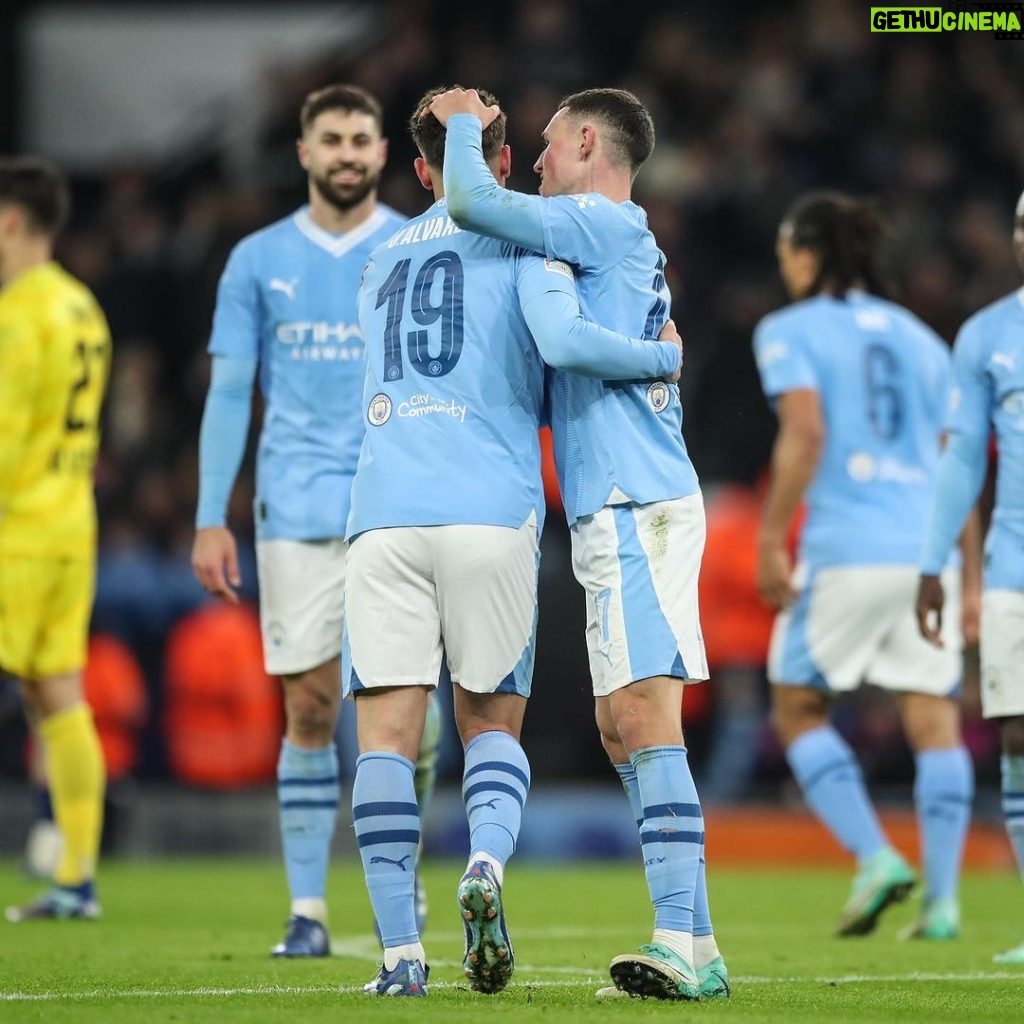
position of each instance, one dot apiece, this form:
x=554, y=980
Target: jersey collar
x=338, y=245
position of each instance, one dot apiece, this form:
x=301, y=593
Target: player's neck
x=23, y=257
x=330, y=218
x=607, y=181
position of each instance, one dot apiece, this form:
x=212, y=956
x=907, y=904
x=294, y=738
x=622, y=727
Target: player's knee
x=606, y=727
x=795, y=712
x=310, y=712
x=930, y=723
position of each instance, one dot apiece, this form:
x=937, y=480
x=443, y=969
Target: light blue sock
x=1013, y=804
x=627, y=775
x=387, y=824
x=943, y=788
x=495, y=783
x=672, y=834
x=701, y=910
x=833, y=785
x=308, y=792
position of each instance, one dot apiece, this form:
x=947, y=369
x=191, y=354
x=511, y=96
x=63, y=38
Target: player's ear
x=11, y=219
x=587, y=141
x=300, y=148
x=422, y=169
x=505, y=162
x=383, y=152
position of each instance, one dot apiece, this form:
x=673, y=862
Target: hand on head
x=462, y=101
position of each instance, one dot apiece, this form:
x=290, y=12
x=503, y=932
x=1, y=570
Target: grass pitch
x=185, y=941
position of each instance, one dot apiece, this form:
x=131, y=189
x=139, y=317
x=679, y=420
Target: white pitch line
x=585, y=980
x=369, y=950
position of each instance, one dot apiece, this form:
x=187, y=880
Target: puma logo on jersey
x=1004, y=359
x=277, y=284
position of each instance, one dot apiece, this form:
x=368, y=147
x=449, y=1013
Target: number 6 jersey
x=54, y=360
x=883, y=380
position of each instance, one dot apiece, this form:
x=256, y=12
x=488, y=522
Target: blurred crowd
x=753, y=103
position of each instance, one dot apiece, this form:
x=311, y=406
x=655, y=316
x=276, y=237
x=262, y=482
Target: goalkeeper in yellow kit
x=54, y=358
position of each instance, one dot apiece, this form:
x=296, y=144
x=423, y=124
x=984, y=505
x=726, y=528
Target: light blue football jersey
x=288, y=297
x=613, y=441
x=883, y=378
x=621, y=440
x=988, y=378
x=454, y=382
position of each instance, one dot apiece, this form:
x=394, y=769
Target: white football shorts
x=302, y=602
x=856, y=624
x=1002, y=653
x=639, y=566
x=422, y=595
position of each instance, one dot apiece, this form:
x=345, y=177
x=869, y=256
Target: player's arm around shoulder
x=475, y=200
x=566, y=340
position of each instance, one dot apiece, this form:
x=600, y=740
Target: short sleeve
x=236, y=318
x=783, y=360
x=970, y=398
x=589, y=231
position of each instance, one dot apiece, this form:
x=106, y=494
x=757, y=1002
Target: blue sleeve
x=970, y=400
x=782, y=360
x=550, y=305
x=476, y=202
x=963, y=463
x=236, y=318
x=222, y=436
x=961, y=473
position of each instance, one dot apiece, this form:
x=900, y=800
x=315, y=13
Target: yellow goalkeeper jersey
x=54, y=361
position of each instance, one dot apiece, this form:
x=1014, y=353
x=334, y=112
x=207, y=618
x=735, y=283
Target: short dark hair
x=630, y=126
x=429, y=134
x=347, y=98
x=846, y=235
x=39, y=188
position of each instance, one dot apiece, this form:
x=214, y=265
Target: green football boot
x=1011, y=956
x=884, y=879
x=713, y=978
x=655, y=971
x=940, y=920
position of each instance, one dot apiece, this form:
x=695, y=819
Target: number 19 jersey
x=54, y=360
x=454, y=382
x=883, y=380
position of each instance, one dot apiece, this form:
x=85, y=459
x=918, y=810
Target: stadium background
x=177, y=126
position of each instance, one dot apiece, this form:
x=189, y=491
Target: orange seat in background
x=736, y=623
x=223, y=719
x=115, y=689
